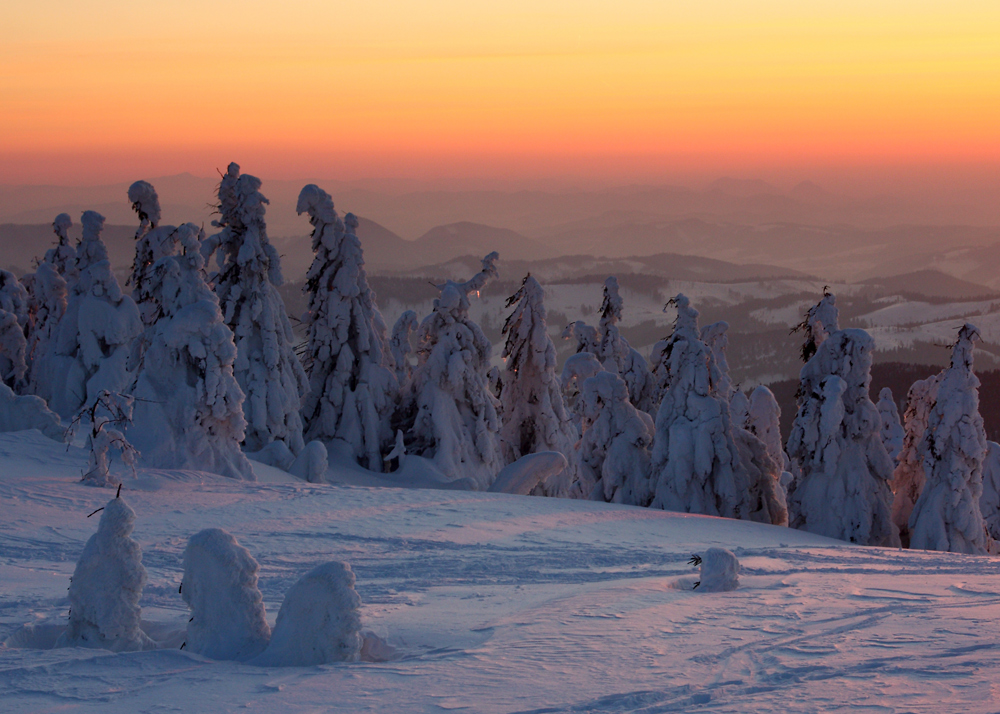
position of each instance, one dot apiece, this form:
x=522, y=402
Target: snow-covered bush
x=843, y=471
x=534, y=418
x=18, y=413
x=614, y=448
x=152, y=242
x=698, y=464
x=908, y=477
x=249, y=271
x=91, y=350
x=48, y=305
x=892, y=430
x=107, y=415
x=401, y=347
x=450, y=416
x=989, y=502
x=353, y=389
x=946, y=516
x=228, y=620
x=106, y=587
x=719, y=570
x=319, y=621
x=189, y=413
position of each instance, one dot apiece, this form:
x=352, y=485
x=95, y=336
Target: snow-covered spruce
x=821, y=321
x=450, y=415
x=18, y=413
x=739, y=409
x=698, y=463
x=908, y=477
x=49, y=297
x=13, y=352
x=584, y=336
x=266, y=367
x=106, y=587
x=614, y=448
x=533, y=416
x=989, y=502
x=90, y=352
x=843, y=471
x=62, y=256
x=228, y=621
x=947, y=516
x=189, y=410
x=576, y=370
x=152, y=242
x=763, y=420
x=319, y=621
x=716, y=339
x=615, y=353
x=891, y=430
x=401, y=348
x=107, y=416
x=719, y=570
x=353, y=389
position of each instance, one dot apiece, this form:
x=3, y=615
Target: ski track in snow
x=499, y=604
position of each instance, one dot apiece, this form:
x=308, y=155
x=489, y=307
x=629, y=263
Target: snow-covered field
x=492, y=603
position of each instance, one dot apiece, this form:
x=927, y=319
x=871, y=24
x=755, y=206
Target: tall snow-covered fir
x=249, y=271
x=947, y=515
x=49, y=297
x=891, y=430
x=15, y=314
x=617, y=355
x=401, y=346
x=152, y=242
x=189, y=409
x=534, y=418
x=841, y=488
x=353, y=389
x=908, y=477
x=449, y=414
x=62, y=256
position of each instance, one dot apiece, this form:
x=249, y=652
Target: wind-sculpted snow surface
x=91, y=350
x=908, y=477
x=319, y=621
x=189, y=409
x=947, y=516
x=249, y=271
x=842, y=485
x=353, y=389
x=107, y=585
x=450, y=415
x=892, y=429
x=220, y=586
x=534, y=418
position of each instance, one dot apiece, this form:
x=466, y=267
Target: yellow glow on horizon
x=775, y=80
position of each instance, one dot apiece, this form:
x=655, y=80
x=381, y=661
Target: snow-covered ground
x=490, y=603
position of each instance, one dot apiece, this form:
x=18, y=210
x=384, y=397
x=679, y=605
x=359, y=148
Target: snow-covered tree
x=90, y=352
x=107, y=416
x=534, y=418
x=701, y=463
x=739, y=409
x=353, y=388
x=841, y=488
x=62, y=256
x=106, y=587
x=450, y=416
x=401, y=347
x=585, y=336
x=577, y=369
x=48, y=305
x=821, y=321
x=14, y=321
x=189, y=413
x=716, y=339
x=319, y=621
x=615, y=353
x=891, y=430
x=763, y=420
x=228, y=620
x=614, y=448
x=947, y=516
x=152, y=242
x=908, y=477
x=249, y=271
x=989, y=502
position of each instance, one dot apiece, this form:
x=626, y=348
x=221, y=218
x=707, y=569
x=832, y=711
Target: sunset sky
x=627, y=89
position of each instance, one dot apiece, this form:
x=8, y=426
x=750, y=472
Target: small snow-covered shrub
x=719, y=570
x=108, y=414
x=228, y=621
x=319, y=621
x=106, y=587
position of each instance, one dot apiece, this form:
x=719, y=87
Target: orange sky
x=402, y=88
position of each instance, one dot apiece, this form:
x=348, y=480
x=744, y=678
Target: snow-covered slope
x=490, y=603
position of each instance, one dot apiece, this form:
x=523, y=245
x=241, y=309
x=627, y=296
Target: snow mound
x=106, y=587
x=319, y=621
x=28, y=412
x=228, y=621
x=720, y=571
x=522, y=476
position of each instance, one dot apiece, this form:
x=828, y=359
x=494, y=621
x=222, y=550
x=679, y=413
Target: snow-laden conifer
x=249, y=271
x=614, y=447
x=450, y=416
x=152, y=242
x=353, y=389
x=48, y=305
x=534, y=418
x=106, y=587
x=14, y=326
x=908, y=477
x=821, y=321
x=843, y=471
x=891, y=429
x=62, y=256
x=615, y=353
x=701, y=463
x=763, y=420
x=91, y=350
x=585, y=337
x=189, y=410
x=716, y=339
x=228, y=620
x=989, y=502
x=947, y=516
x=401, y=347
